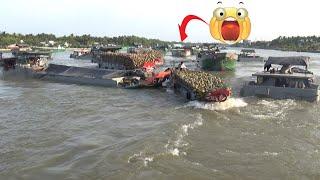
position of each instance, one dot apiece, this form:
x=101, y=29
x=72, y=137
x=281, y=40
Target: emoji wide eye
x=242, y=13
x=220, y=13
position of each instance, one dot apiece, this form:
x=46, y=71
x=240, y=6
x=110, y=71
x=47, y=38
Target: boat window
x=301, y=84
x=259, y=80
x=281, y=82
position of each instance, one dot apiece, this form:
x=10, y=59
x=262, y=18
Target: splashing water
x=141, y=157
x=175, y=145
x=230, y=103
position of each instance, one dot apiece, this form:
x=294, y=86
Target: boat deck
x=294, y=75
x=81, y=72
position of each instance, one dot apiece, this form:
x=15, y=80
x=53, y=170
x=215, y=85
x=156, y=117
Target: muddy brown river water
x=62, y=131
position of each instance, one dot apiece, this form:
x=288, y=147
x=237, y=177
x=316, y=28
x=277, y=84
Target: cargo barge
x=38, y=67
x=97, y=51
x=198, y=85
x=125, y=61
x=216, y=61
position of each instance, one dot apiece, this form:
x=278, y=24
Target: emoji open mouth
x=230, y=29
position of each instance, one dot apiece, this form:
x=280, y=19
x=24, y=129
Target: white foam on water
x=174, y=152
x=169, y=90
x=175, y=146
x=273, y=109
x=271, y=153
x=140, y=157
x=275, y=104
x=228, y=104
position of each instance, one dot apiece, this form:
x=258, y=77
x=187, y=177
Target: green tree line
x=297, y=43
x=75, y=40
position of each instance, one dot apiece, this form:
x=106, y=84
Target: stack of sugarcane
x=200, y=82
x=132, y=61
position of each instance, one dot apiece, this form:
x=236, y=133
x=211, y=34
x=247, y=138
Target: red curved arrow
x=183, y=26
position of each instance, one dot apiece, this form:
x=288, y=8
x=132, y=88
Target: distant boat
x=81, y=54
x=216, y=61
x=249, y=55
x=181, y=52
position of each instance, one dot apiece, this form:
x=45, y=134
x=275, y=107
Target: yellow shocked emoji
x=230, y=25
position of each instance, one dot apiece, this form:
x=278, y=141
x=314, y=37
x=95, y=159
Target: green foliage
x=298, y=43
x=74, y=40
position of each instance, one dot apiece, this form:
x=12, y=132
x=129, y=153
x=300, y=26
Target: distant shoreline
x=276, y=49
x=288, y=50
x=5, y=50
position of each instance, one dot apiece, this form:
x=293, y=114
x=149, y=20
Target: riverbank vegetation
x=298, y=43
x=73, y=41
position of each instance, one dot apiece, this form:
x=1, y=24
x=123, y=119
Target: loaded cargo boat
x=25, y=64
x=117, y=77
x=125, y=61
x=25, y=52
x=96, y=51
x=27, y=55
x=198, y=85
x=16, y=48
x=216, y=61
x=290, y=82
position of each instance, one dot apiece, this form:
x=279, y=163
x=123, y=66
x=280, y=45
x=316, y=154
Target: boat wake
x=230, y=103
x=272, y=109
x=176, y=146
x=141, y=157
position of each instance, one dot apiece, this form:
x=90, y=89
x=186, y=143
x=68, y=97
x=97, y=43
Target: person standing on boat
x=182, y=66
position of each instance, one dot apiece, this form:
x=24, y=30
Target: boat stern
x=219, y=95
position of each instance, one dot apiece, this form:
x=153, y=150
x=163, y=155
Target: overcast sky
x=154, y=18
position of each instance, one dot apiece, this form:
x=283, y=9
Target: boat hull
x=181, y=53
x=311, y=95
x=211, y=63
x=253, y=59
x=84, y=57
x=67, y=74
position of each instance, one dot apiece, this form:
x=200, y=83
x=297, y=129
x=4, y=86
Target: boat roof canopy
x=286, y=61
x=248, y=51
